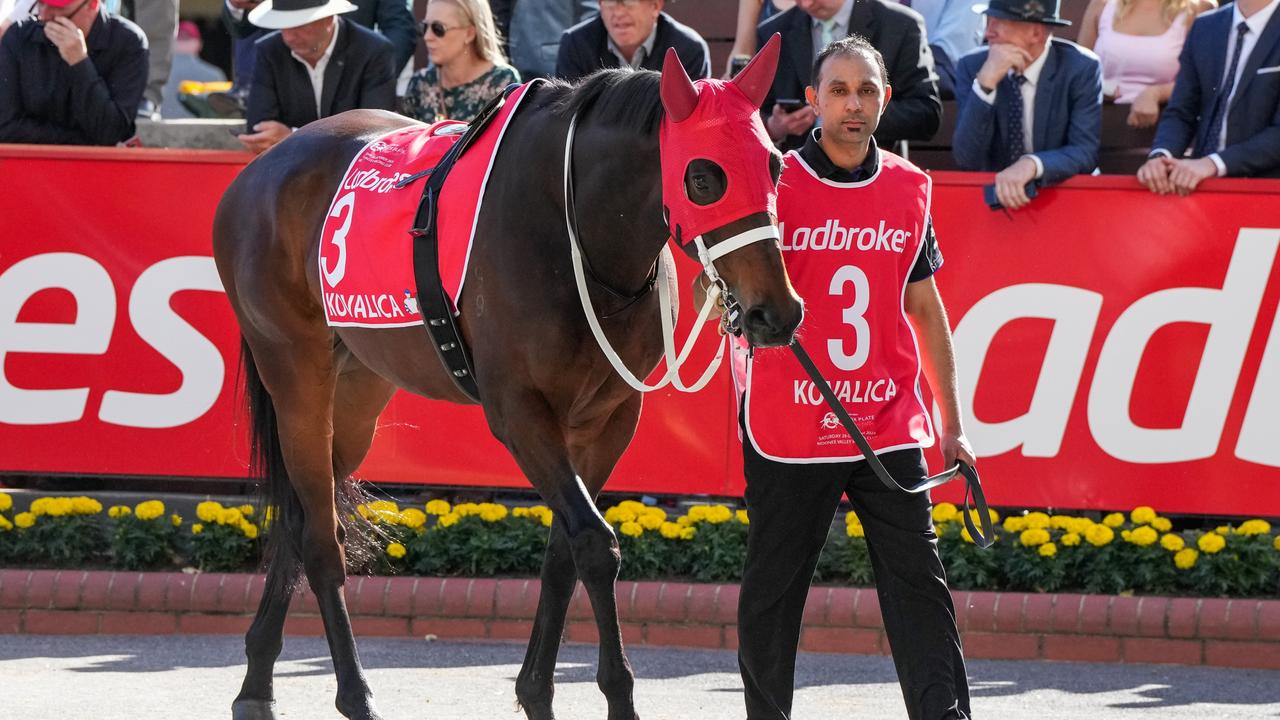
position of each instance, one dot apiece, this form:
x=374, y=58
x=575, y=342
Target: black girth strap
x=973, y=485
x=437, y=313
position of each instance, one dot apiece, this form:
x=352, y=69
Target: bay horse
x=315, y=392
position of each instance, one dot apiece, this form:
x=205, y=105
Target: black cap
x=1036, y=11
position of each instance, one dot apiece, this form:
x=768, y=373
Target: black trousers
x=792, y=507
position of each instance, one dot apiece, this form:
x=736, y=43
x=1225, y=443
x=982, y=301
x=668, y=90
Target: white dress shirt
x=317, y=72
x=642, y=53
x=1032, y=75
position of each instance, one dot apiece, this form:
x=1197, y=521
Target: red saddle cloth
x=366, y=252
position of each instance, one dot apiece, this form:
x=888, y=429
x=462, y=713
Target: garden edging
x=1014, y=625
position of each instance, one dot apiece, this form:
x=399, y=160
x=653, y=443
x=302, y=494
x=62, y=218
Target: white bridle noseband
x=668, y=300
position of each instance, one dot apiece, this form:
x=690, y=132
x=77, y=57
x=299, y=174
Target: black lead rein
x=973, y=485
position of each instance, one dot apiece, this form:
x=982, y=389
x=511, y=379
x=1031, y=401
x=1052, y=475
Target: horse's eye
x=704, y=182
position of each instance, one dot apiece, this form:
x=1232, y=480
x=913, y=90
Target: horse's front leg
x=542, y=448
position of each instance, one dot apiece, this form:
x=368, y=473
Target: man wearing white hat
x=317, y=65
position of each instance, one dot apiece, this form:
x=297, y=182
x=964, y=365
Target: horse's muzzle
x=771, y=326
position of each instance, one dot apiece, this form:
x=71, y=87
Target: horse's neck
x=618, y=197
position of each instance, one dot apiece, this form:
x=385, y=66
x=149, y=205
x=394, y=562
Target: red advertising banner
x=1114, y=348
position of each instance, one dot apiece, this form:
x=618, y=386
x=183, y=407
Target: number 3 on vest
x=854, y=316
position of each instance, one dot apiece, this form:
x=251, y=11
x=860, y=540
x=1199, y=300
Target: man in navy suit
x=1030, y=104
x=1225, y=104
x=633, y=33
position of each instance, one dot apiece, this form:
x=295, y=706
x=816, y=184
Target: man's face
x=81, y=13
x=820, y=9
x=1028, y=36
x=849, y=99
x=629, y=22
x=310, y=40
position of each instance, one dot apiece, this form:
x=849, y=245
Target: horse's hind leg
x=359, y=398
x=534, y=684
x=302, y=379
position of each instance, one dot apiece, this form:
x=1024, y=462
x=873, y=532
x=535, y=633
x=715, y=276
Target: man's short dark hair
x=852, y=45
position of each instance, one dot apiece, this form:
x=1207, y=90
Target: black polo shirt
x=94, y=102
x=930, y=258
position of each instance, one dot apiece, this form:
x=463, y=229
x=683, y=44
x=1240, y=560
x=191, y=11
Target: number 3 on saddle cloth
x=366, y=250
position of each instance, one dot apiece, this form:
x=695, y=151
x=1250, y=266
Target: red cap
x=57, y=3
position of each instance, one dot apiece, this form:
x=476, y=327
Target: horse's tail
x=283, y=516
x=362, y=539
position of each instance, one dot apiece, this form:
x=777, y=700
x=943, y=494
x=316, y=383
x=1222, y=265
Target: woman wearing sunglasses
x=467, y=65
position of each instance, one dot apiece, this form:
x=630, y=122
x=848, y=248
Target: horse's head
x=719, y=188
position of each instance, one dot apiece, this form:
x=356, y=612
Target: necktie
x=1224, y=96
x=826, y=32
x=1016, y=141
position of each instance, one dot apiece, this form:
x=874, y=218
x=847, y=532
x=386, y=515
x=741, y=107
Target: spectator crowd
x=1024, y=103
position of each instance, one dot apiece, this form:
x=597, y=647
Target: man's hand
x=955, y=446
x=1145, y=109
x=1185, y=175
x=1011, y=183
x=67, y=38
x=1001, y=58
x=1154, y=175
x=782, y=123
x=264, y=135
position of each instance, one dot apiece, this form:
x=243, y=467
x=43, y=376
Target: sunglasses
x=436, y=28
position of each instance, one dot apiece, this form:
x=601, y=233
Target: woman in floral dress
x=467, y=65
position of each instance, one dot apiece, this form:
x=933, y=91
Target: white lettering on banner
x=88, y=334
x=1040, y=429
x=1230, y=313
x=834, y=236
x=1259, y=440
x=853, y=316
x=373, y=180
x=197, y=359
x=347, y=202
x=362, y=306
x=879, y=390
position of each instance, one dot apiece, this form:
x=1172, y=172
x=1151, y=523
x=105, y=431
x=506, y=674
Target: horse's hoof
x=360, y=711
x=253, y=710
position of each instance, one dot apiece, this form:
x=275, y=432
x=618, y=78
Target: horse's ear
x=679, y=96
x=757, y=77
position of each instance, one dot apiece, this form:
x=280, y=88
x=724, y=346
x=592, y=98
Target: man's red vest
x=849, y=249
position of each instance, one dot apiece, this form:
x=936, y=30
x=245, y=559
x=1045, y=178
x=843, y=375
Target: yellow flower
x=465, y=509
x=246, y=510
x=1222, y=529
x=1114, y=520
x=543, y=513
x=6, y=502
x=852, y=519
x=1185, y=559
x=634, y=506
x=208, y=511
x=149, y=510
x=965, y=536
x=631, y=528
x=229, y=516
x=1048, y=550
x=1142, y=515
x=24, y=520
x=1099, y=535
x=1037, y=521
x=197, y=528
x=448, y=520
x=688, y=533
x=697, y=513
x=945, y=512
x=1144, y=536
x=656, y=512
x=1062, y=522
x=1211, y=543
x=176, y=519
x=396, y=550
x=855, y=531
x=384, y=506
x=5, y=524
x=249, y=529
x=492, y=512
x=438, y=507
x=1162, y=524
x=743, y=517
x=520, y=511
x=118, y=511
x=670, y=530
x=1276, y=543
x=1254, y=527
x=1080, y=525
x=719, y=514
x=1172, y=543
x=1033, y=537
x=684, y=521
x=1013, y=524
x=650, y=522
x=413, y=518
x=1070, y=539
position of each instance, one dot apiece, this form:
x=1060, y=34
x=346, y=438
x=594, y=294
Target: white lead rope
x=668, y=306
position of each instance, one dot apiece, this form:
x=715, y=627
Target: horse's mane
x=624, y=98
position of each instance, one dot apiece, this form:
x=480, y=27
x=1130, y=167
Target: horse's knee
x=596, y=553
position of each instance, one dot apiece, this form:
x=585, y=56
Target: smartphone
x=737, y=63
x=789, y=104
x=993, y=201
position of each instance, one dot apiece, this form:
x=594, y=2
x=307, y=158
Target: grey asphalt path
x=118, y=678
